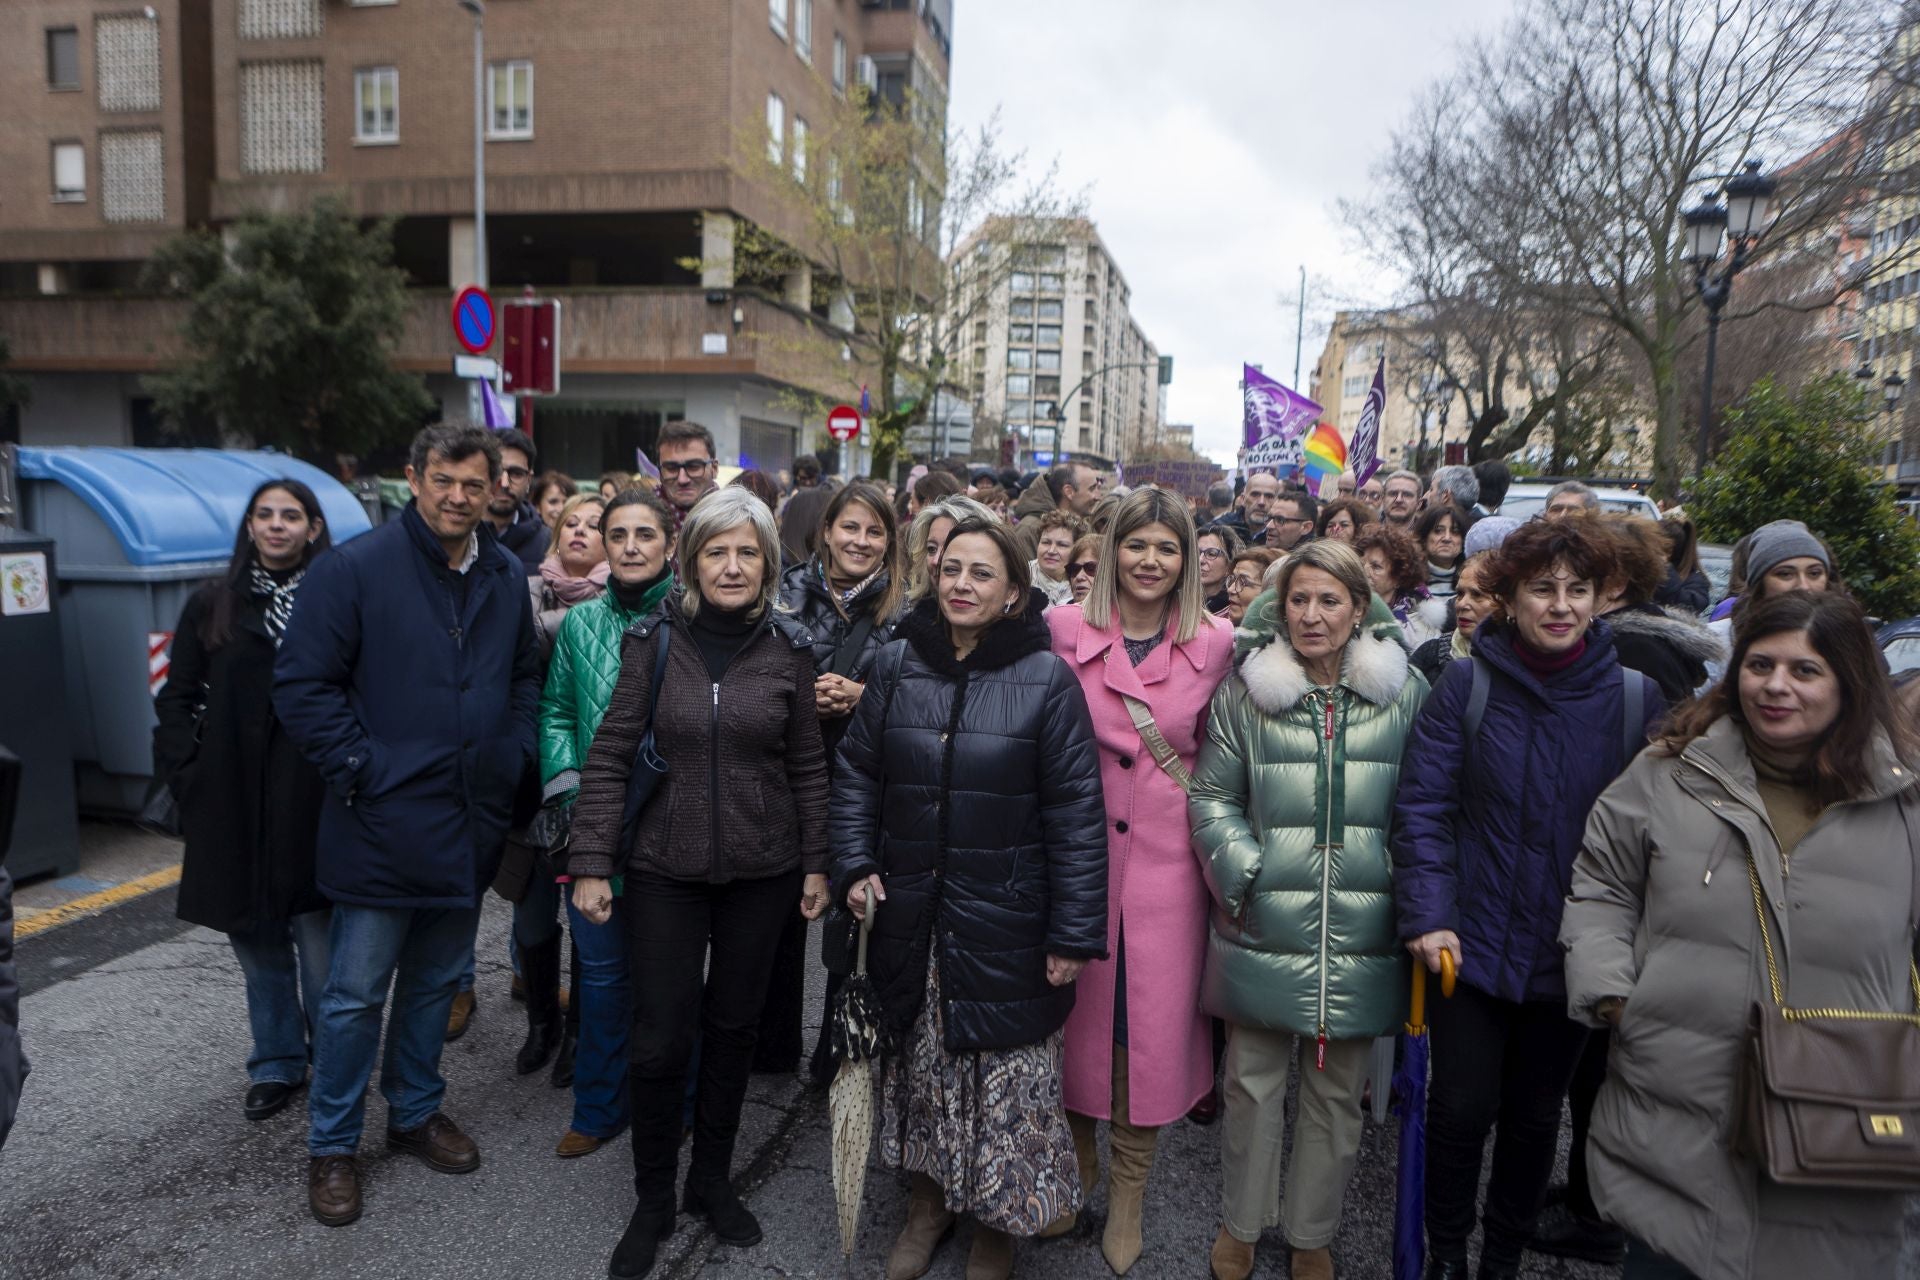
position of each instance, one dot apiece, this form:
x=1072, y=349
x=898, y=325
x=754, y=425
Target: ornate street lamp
x=1710, y=226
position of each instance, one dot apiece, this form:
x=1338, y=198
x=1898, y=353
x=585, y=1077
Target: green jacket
x=1291, y=826
x=580, y=680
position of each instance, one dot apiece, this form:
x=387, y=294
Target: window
x=376, y=104
x=1043, y=408
x=1046, y=386
x=280, y=19
x=126, y=63
x=1019, y=358
x=1049, y=335
x=282, y=117
x=133, y=182
x=1021, y=282
x=833, y=188
x=1086, y=336
x=979, y=330
x=510, y=100
x=1052, y=282
x=1354, y=386
x=839, y=62
x=777, y=17
x=1020, y=333
x=63, y=58
x=776, y=129
x=1021, y=309
x=799, y=150
x=1019, y=384
x=1048, y=360
x=803, y=30
x=69, y=173
x=1051, y=309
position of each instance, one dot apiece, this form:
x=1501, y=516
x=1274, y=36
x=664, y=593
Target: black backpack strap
x=1477, y=695
x=1633, y=713
x=847, y=652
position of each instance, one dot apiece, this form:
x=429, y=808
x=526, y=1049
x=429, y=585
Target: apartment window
x=1043, y=409
x=282, y=117
x=803, y=30
x=776, y=128
x=126, y=63
x=1354, y=387
x=376, y=104
x=1020, y=384
x=833, y=184
x=69, y=173
x=1052, y=309
x=1022, y=333
x=1086, y=336
x=1021, y=308
x=777, y=17
x=1021, y=282
x=133, y=181
x=510, y=99
x=1048, y=360
x=1019, y=358
x=63, y=58
x=839, y=62
x=979, y=330
x=1045, y=386
x=1086, y=412
x=280, y=19
x=1052, y=282
x=1086, y=362
x=799, y=150
x=1049, y=335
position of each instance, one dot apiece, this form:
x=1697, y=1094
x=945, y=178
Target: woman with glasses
x=1217, y=549
x=1246, y=580
x=1083, y=562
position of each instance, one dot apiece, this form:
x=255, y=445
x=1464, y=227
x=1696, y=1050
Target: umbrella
x=857, y=1038
x=1410, y=1087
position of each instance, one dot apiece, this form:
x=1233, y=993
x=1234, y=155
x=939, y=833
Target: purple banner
x=1363, y=455
x=1276, y=418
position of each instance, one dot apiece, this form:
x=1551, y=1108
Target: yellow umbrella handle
x=1447, y=976
x=1417, y=1012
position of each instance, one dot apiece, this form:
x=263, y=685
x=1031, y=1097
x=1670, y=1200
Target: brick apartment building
x=612, y=129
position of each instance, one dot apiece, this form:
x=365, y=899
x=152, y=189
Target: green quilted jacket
x=1292, y=796
x=580, y=680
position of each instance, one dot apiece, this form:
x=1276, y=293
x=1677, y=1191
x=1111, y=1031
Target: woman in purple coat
x=1505, y=760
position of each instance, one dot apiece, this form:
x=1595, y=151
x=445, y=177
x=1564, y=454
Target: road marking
x=94, y=903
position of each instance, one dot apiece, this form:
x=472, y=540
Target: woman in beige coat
x=1798, y=760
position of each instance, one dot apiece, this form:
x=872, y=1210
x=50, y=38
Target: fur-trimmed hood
x=1675, y=626
x=1374, y=665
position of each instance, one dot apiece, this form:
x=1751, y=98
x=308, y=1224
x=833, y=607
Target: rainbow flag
x=1326, y=457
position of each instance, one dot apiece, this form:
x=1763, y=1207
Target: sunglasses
x=1077, y=567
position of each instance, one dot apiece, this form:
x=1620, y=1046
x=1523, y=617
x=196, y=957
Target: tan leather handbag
x=1830, y=1097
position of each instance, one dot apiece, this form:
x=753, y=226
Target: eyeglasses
x=515, y=474
x=1241, y=582
x=1212, y=553
x=1078, y=567
x=695, y=468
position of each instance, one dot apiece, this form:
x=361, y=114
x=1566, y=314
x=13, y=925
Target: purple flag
x=1276, y=417
x=644, y=465
x=1363, y=455
x=499, y=413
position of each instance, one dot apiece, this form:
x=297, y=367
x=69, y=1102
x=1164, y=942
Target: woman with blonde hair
x=1148, y=657
x=928, y=533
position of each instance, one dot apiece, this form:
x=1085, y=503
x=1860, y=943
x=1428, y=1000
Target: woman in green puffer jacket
x=637, y=528
x=1291, y=799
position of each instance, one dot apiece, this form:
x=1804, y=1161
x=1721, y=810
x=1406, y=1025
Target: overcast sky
x=1213, y=138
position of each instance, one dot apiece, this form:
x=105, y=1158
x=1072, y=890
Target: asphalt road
x=131, y=1158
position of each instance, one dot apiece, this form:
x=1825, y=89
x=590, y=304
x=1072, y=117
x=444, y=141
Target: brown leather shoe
x=459, y=1016
x=1312, y=1264
x=929, y=1222
x=333, y=1189
x=577, y=1144
x=440, y=1143
x=1232, y=1258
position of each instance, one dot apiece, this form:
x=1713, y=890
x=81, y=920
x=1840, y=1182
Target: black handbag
x=649, y=769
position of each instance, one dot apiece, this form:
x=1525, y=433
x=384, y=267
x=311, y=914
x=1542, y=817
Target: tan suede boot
x=991, y=1257
x=1130, y=1159
x=1312, y=1264
x=1089, y=1155
x=929, y=1222
x=1232, y=1257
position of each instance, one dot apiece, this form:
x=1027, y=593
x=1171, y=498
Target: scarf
x=852, y=593
x=1462, y=646
x=569, y=590
x=278, y=594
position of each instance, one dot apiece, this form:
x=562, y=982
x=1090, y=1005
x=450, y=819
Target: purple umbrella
x=1410, y=1087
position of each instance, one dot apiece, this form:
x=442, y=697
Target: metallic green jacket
x=580, y=678
x=1292, y=797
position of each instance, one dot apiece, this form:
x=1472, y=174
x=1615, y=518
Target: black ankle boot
x=1446, y=1269
x=1490, y=1270
x=731, y=1221
x=541, y=967
x=562, y=1077
x=633, y=1256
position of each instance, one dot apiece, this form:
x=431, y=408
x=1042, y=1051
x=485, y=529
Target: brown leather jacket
x=751, y=743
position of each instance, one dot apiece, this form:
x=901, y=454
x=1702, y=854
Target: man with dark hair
x=689, y=467
x=1219, y=503
x=515, y=520
x=410, y=676
x=806, y=471
x=1256, y=504
x=1291, y=523
x=1074, y=488
x=1495, y=478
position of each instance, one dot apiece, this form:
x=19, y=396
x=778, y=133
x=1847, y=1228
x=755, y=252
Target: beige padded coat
x=1662, y=915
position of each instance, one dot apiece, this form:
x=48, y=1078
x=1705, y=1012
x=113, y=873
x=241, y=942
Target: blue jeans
x=600, y=1062
x=286, y=968
x=420, y=953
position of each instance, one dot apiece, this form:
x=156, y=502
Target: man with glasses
x=689, y=469
x=1291, y=523
x=410, y=676
x=1402, y=496
x=515, y=520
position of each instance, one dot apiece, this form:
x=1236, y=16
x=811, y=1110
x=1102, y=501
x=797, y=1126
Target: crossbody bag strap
x=1773, y=966
x=847, y=652
x=1156, y=743
x=1633, y=713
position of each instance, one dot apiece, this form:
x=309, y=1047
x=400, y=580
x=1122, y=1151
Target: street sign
x=843, y=424
x=473, y=319
x=531, y=335
x=482, y=367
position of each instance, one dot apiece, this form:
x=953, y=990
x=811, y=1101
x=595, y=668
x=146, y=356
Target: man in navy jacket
x=410, y=676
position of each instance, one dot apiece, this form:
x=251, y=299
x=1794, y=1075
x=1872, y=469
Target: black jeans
x=675, y=929
x=1494, y=1060
x=1587, y=1079
x=780, y=1043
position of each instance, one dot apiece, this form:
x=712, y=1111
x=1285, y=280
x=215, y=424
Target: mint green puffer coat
x=1292, y=796
x=580, y=679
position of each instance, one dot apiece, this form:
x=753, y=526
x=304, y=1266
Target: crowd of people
x=1154, y=803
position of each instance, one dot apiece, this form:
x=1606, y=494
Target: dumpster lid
x=175, y=506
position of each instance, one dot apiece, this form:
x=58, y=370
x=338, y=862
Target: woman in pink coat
x=1139, y=1052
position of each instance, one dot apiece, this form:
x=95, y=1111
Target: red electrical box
x=530, y=360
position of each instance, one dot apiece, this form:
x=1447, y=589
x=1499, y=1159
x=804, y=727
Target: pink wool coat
x=1154, y=884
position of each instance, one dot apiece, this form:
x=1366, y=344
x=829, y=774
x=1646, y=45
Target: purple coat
x=1485, y=833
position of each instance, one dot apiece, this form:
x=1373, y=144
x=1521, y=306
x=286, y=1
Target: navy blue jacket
x=1485, y=833
x=527, y=537
x=419, y=714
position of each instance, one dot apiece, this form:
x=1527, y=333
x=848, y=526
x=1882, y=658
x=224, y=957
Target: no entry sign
x=843, y=424
x=473, y=319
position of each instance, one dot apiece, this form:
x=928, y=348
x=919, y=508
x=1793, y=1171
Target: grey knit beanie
x=1488, y=533
x=1781, y=540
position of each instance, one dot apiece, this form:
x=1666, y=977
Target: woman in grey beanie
x=1782, y=555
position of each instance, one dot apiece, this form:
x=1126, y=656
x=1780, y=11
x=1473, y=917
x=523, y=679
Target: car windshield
x=1903, y=654
x=1525, y=508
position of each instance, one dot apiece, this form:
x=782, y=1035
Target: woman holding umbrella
x=968, y=800
x=1291, y=804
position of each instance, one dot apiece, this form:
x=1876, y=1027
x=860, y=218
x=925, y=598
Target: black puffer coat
x=973, y=789
x=810, y=601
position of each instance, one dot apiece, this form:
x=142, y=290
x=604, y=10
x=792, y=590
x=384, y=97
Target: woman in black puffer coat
x=967, y=796
x=847, y=596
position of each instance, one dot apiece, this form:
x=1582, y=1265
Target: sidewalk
x=118, y=862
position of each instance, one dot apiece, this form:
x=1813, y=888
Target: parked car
x=1900, y=645
x=1716, y=561
x=1525, y=501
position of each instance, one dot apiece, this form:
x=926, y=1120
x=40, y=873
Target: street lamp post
x=1710, y=226
x=479, y=12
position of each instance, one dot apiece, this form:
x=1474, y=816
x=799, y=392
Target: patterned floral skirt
x=989, y=1127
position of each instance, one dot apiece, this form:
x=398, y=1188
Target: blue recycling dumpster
x=138, y=530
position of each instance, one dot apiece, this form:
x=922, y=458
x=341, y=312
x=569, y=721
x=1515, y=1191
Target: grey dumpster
x=138, y=530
